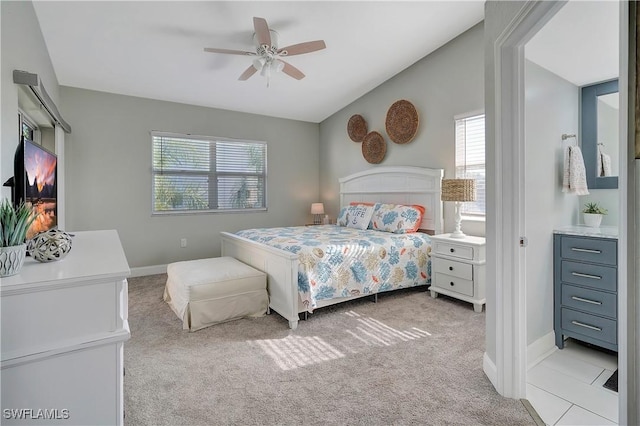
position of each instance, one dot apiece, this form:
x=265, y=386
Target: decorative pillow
x=342, y=217
x=397, y=218
x=357, y=216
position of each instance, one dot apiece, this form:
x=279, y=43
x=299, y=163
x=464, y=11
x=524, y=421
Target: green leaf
x=14, y=223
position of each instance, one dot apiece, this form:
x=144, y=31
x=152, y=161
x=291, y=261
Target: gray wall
x=551, y=108
x=445, y=83
x=23, y=48
x=109, y=172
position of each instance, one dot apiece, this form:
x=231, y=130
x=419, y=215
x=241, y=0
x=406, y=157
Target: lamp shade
x=458, y=190
x=317, y=208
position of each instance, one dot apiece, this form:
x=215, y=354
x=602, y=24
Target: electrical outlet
x=183, y=242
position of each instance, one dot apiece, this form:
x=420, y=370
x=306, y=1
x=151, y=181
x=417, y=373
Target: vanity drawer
x=451, y=267
x=452, y=283
x=590, y=250
x=595, y=276
x=593, y=301
x=590, y=325
x=463, y=252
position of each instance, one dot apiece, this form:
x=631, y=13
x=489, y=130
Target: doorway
x=507, y=28
x=577, y=49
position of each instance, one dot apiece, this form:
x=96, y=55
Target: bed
x=397, y=185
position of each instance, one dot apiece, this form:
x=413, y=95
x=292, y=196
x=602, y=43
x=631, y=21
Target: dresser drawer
x=595, y=276
x=459, y=285
x=451, y=267
x=589, y=250
x=590, y=325
x=592, y=301
x=463, y=252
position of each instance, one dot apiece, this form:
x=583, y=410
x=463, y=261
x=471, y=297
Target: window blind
x=470, y=159
x=199, y=174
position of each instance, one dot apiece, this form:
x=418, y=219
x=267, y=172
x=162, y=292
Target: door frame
x=507, y=223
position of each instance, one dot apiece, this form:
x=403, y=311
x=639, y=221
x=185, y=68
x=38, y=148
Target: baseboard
x=490, y=370
x=540, y=349
x=148, y=270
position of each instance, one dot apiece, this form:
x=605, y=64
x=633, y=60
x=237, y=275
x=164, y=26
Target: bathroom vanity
x=585, y=275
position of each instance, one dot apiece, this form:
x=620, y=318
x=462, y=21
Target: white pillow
x=359, y=216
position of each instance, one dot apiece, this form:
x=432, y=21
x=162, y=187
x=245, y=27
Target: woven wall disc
x=374, y=147
x=402, y=122
x=357, y=128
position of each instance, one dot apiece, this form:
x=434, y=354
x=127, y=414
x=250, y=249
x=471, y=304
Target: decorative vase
x=12, y=259
x=50, y=245
x=592, y=219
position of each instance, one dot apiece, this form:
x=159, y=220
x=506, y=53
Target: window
x=27, y=128
x=204, y=174
x=470, y=158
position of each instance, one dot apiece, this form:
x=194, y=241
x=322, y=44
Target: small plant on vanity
x=593, y=213
x=14, y=223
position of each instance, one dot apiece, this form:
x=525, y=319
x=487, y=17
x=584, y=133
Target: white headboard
x=398, y=185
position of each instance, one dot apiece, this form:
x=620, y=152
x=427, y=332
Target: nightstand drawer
x=451, y=267
x=590, y=325
x=593, y=301
x=452, y=283
x=589, y=250
x=595, y=276
x=454, y=250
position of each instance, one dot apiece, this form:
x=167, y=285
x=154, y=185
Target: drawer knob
x=451, y=283
x=451, y=268
x=452, y=250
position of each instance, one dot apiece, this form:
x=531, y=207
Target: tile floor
x=566, y=388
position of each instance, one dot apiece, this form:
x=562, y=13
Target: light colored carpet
x=408, y=359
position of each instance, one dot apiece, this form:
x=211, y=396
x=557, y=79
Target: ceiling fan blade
x=247, y=73
x=229, y=51
x=292, y=71
x=300, y=48
x=262, y=31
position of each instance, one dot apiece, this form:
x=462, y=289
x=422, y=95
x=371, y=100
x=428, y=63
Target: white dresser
x=458, y=268
x=63, y=327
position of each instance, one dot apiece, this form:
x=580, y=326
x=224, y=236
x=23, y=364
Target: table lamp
x=458, y=190
x=317, y=210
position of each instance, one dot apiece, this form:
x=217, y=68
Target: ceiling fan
x=268, y=57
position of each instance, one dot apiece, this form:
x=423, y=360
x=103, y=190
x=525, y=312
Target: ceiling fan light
x=258, y=63
x=278, y=66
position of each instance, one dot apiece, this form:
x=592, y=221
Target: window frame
x=212, y=190
x=24, y=119
x=472, y=114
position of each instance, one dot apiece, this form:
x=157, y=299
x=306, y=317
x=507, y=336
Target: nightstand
x=458, y=268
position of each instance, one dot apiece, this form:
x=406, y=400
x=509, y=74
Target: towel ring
x=566, y=136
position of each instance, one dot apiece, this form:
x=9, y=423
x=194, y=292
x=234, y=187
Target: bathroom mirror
x=599, y=134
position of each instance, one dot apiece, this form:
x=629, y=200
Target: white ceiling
x=155, y=49
x=580, y=43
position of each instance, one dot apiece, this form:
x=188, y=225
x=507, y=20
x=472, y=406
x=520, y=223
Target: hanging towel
x=574, y=180
x=604, y=162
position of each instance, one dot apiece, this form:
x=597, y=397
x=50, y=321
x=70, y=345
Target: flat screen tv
x=35, y=184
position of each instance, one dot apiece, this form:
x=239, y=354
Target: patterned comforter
x=337, y=261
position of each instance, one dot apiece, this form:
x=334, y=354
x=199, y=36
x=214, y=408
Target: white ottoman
x=210, y=291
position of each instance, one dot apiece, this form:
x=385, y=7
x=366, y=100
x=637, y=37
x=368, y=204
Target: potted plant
x=14, y=223
x=593, y=214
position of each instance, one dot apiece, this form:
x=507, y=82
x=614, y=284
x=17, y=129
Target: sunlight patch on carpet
x=371, y=331
x=295, y=351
